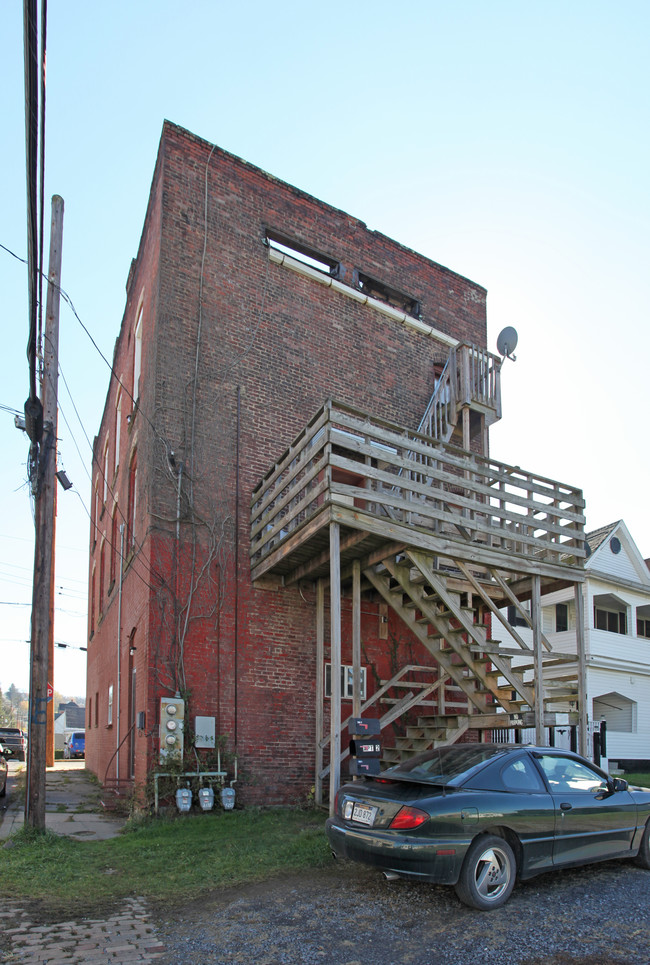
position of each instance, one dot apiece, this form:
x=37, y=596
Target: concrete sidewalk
x=72, y=805
x=123, y=937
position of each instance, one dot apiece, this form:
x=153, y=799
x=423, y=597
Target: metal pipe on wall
x=119, y=654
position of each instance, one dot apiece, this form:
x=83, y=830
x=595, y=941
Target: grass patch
x=175, y=858
x=640, y=778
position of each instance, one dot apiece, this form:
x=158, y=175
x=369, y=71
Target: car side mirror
x=618, y=784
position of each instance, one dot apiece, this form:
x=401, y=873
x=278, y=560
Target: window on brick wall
x=130, y=528
x=347, y=681
x=113, y=549
x=95, y=512
x=102, y=575
x=302, y=253
x=118, y=431
x=384, y=293
x=137, y=356
x=105, y=471
x=90, y=713
x=109, y=715
x=92, y=602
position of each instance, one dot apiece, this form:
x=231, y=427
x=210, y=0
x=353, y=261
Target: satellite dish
x=507, y=342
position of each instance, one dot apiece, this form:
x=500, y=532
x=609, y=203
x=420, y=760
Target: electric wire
x=30, y=49
x=42, y=168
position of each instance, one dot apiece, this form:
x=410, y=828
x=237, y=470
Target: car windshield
x=444, y=765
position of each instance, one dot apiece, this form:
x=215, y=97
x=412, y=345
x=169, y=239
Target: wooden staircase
x=469, y=379
x=495, y=681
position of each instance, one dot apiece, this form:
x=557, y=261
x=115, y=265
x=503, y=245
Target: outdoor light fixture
x=132, y=651
x=63, y=479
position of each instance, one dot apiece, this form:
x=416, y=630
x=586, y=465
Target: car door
x=591, y=820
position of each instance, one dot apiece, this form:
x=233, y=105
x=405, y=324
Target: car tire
x=488, y=873
x=643, y=857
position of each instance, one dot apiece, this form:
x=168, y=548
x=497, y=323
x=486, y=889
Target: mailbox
x=365, y=766
x=365, y=747
x=366, y=726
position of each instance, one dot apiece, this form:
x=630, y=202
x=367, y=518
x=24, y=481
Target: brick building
x=250, y=305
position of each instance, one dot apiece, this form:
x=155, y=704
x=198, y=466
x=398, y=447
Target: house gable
x=615, y=554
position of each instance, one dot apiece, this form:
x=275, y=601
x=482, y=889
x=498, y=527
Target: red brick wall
x=238, y=354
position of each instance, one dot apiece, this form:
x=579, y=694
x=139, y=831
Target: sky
x=508, y=140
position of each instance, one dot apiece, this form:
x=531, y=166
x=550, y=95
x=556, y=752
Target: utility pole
x=45, y=505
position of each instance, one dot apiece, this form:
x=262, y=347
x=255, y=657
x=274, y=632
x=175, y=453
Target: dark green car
x=477, y=816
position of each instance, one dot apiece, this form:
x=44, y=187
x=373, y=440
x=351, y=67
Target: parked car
x=477, y=816
x=14, y=740
x=4, y=753
x=75, y=745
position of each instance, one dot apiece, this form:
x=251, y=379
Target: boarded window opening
x=383, y=293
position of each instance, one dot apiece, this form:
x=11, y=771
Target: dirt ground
x=349, y=915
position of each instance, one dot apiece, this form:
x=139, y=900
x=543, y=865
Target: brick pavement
x=120, y=939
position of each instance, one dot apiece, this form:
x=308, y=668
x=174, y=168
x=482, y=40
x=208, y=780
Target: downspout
x=237, y=559
x=119, y=654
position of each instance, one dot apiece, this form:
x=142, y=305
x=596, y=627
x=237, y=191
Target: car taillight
x=408, y=817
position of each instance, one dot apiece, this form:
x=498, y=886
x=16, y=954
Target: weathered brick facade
x=237, y=353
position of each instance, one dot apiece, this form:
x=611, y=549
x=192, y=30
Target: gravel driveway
x=349, y=915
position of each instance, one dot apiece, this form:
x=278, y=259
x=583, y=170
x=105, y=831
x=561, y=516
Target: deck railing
x=471, y=376
x=384, y=472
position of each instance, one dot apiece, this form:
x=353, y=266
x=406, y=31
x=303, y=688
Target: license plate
x=363, y=814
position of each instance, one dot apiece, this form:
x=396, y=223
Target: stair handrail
x=444, y=391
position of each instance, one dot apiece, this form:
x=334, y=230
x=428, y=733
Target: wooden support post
x=335, y=661
x=583, y=737
x=320, y=687
x=356, y=638
x=536, y=615
x=466, y=427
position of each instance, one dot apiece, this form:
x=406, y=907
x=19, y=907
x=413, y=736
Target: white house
x=617, y=644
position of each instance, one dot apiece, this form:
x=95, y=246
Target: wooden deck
x=387, y=485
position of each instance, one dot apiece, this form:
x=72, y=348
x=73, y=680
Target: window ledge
x=279, y=258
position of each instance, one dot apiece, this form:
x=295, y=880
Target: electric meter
x=172, y=714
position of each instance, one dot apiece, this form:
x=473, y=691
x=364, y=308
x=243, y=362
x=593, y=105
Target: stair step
x=413, y=732
x=407, y=684
x=492, y=646
x=413, y=743
x=411, y=604
x=501, y=693
x=556, y=661
x=441, y=636
x=443, y=720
